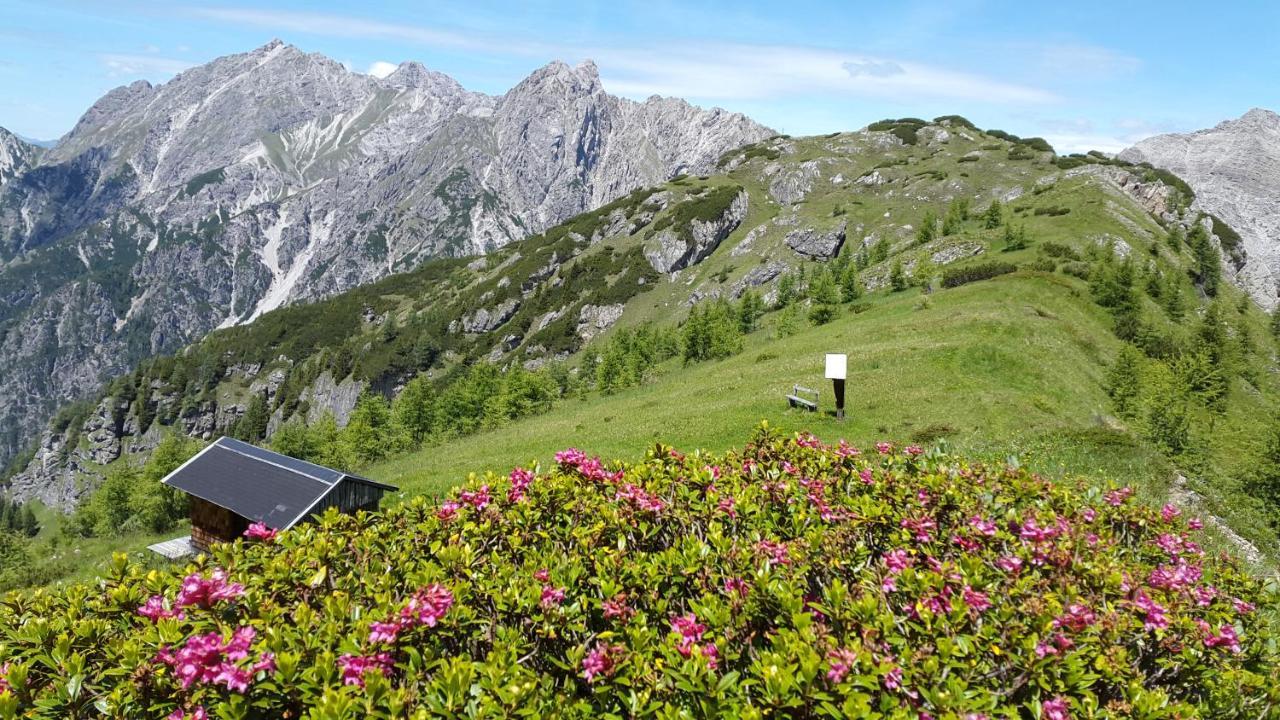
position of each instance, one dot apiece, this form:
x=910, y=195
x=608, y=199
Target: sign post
x=837, y=370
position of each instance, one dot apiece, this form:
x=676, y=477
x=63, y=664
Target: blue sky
x=1082, y=74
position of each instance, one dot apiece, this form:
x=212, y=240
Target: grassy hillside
x=1102, y=257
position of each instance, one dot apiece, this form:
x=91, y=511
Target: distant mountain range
x=273, y=176
x=1234, y=169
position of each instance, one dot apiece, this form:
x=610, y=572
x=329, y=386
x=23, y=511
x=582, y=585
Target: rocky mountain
x=274, y=176
x=779, y=208
x=16, y=156
x=1234, y=169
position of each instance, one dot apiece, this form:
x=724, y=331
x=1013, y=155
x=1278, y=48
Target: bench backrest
x=797, y=389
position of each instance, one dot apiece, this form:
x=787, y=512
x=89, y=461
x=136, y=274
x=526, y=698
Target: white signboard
x=837, y=366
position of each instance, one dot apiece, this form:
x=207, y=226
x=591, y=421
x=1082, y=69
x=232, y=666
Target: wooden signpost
x=837, y=371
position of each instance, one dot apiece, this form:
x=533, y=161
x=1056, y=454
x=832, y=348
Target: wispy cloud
x=141, y=65
x=712, y=71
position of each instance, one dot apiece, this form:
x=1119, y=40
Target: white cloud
x=882, y=68
x=381, y=69
x=142, y=65
x=1076, y=143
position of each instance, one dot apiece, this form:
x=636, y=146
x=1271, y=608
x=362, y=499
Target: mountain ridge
x=272, y=176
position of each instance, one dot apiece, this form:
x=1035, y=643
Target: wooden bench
x=797, y=398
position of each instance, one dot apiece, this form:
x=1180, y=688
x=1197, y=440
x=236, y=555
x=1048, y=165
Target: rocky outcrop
x=792, y=184
x=276, y=176
x=1234, y=169
x=595, y=319
x=489, y=319
x=674, y=249
x=758, y=276
x=817, y=244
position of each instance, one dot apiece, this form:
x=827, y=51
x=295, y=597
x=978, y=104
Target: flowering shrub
x=835, y=583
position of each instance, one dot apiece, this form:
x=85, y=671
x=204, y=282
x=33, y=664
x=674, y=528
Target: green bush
x=791, y=579
x=957, y=276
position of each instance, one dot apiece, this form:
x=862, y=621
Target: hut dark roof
x=258, y=484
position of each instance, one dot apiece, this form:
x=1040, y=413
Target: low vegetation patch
x=955, y=277
x=791, y=579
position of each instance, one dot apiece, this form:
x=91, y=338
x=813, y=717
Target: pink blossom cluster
x=1055, y=709
x=552, y=597
x=884, y=448
x=921, y=527
x=841, y=662
x=1169, y=513
x=736, y=587
x=1076, y=618
x=210, y=660
x=590, y=468
x=1118, y=497
x=691, y=633
x=639, y=499
x=196, y=713
x=845, y=450
x=601, y=661
x=206, y=592
x=354, y=667
x=4, y=682
x=1175, y=577
x=913, y=450
x=1225, y=636
x=726, y=506
x=775, y=551
x=448, y=510
x=521, y=479
x=616, y=608
x=260, y=532
x=478, y=499
x=808, y=440
x=427, y=607
x=1154, y=612
x=157, y=608
x=1056, y=645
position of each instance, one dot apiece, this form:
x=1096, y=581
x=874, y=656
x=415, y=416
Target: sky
x=1082, y=74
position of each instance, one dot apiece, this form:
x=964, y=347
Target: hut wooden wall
x=213, y=524
x=349, y=497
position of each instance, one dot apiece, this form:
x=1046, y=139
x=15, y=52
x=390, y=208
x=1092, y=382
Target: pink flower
x=976, y=600
x=1055, y=709
x=775, y=552
x=1089, y=514
x=897, y=560
x=600, y=661
x=155, y=608
x=551, y=597
x=1170, y=543
x=571, y=457
x=207, y=592
x=354, y=667
x=384, y=632
x=639, y=499
x=1195, y=523
x=711, y=653
x=258, y=531
x=688, y=627
x=1168, y=513
x=521, y=479
x=1076, y=618
x=1241, y=606
x=982, y=525
x=1116, y=498
x=1010, y=564
x=841, y=662
x=845, y=450
x=726, y=506
x=478, y=499
x=867, y=477
x=807, y=440
x=209, y=660
x=196, y=713
x=913, y=450
x=542, y=575
x=617, y=608
x=4, y=682
x=884, y=448
x=893, y=678
x=736, y=586
x=448, y=510
x=921, y=527
x=427, y=606
x=1225, y=637
x=1154, y=612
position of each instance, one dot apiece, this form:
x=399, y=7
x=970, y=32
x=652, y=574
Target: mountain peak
x=558, y=76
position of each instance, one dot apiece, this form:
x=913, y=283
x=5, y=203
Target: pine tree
x=1176, y=238
x=897, y=278
x=957, y=214
x=923, y=274
x=415, y=409
x=993, y=216
x=750, y=309
x=1174, y=304
x=1124, y=381
x=252, y=426
x=1207, y=268
x=850, y=285
x=369, y=432
x=295, y=440
x=928, y=229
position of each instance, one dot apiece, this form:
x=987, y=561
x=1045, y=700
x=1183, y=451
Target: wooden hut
x=233, y=484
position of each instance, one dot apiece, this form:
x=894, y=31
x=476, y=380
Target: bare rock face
x=275, y=176
x=792, y=185
x=488, y=319
x=595, y=319
x=1234, y=169
x=817, y=244
x=671, y=250
x=758, y=276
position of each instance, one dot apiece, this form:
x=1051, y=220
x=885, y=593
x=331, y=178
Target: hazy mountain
x=272, y=176
x=1234, y=169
